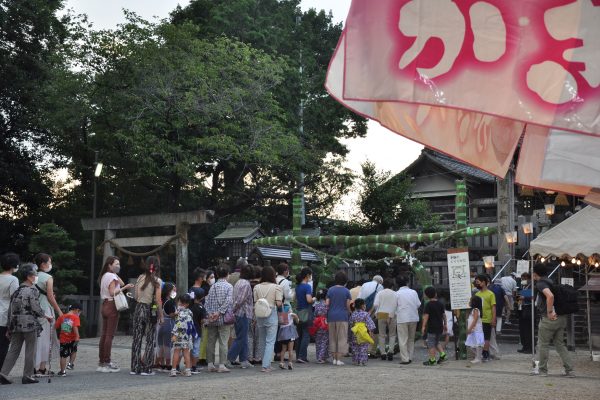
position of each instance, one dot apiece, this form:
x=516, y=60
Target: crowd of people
x=254, y=316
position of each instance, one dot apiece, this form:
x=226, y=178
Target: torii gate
x=181, y=222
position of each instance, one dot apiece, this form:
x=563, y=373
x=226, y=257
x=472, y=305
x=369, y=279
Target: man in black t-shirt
x=435, y=324
x=551, y=328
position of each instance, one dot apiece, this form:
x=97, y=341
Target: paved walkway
x=507, y=378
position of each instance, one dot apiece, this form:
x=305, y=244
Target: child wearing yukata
x=321, y=331
x=361, y=343
x=184, y=333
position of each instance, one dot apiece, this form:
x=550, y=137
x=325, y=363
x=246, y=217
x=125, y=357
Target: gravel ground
x=507, y=378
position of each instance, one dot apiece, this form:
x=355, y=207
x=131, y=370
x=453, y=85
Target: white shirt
x=8, y=285
x=386, y=301
x=286, y=287
x=107, y=278
x=368, y=288
x=408, y=305
x=508, y=284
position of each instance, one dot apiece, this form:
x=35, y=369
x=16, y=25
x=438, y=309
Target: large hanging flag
x=478, y=79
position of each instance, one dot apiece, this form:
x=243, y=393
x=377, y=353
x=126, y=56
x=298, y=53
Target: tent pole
x=532, y=310
x=589, y=321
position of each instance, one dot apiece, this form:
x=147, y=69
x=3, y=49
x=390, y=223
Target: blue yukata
x=360, y=352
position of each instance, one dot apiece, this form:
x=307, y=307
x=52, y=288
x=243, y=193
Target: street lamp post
x=97, y=172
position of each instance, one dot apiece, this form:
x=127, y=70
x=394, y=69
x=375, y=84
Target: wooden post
x=461, y=223
x=181, y=257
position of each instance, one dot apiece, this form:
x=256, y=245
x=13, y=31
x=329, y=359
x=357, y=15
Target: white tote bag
x=121, y=302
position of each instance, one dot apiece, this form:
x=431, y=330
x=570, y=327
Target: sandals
x=282, y=365
x=290, y=367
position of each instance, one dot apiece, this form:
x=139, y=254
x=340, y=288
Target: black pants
x=4, y=344
x=525, y=329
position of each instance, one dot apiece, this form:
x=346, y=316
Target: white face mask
x=523, y=282
x=211, y=281
x=35, y=281
x=173, y=294
x=49, y=268
x=116, y=269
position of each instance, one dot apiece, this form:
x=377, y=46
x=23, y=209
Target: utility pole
x=506, y=216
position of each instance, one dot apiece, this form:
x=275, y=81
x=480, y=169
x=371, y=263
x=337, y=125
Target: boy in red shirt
x=69, y=336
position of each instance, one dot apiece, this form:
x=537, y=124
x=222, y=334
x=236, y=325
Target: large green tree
x=385, y=202
x=305, y=40
x=30, y=34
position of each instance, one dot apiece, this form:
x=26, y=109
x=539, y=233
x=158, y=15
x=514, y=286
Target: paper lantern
x=527, y=228
x=488, y=261
x=511, y=237
x=550, y=208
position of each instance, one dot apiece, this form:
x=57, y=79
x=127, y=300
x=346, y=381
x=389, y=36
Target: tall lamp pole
x=97, y=172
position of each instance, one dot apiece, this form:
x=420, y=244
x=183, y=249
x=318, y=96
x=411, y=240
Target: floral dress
x=322, y=335
x=360, y=352
x=184, y=330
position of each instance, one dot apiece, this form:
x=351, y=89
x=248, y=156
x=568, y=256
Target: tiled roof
x=458, y=167
x=243, y=232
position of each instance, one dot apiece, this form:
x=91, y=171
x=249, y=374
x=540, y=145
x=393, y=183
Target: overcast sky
x=388, y=150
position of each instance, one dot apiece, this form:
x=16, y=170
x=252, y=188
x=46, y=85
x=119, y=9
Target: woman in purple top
x=338, y=301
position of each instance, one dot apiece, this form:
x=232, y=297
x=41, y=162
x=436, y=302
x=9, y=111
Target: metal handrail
x=502, y=269
x=555, y=269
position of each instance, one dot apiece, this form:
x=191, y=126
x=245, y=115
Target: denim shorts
x=433, y=339
x=196, y=347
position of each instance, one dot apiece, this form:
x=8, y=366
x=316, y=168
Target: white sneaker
x=334, y=361
x=476, y=361
x=339, y=363
x=112, y=367
x=246, y=364
x=173, y=373
x=103, y=369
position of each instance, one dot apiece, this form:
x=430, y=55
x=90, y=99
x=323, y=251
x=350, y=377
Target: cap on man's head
x=197, y=292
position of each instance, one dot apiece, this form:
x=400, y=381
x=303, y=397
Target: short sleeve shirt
x=436, y=312
x=105, y=282
x=67, y=324
x=541, y=297
x=338, y=297
x=302, y=290
x=488, y=300
x=8, y=285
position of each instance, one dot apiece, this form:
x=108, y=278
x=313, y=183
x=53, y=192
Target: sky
x=386, y=149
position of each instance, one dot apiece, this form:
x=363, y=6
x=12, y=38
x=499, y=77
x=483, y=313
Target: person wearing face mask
x=304, y=303
x=24, y=325
x=163, y=356
x=9, y=284
x=48, y=337
x=524, y=297
x=110, y=285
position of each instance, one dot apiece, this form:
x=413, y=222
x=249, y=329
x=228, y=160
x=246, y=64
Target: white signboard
x=459, y=278
x=567, y=281
x=522, y=267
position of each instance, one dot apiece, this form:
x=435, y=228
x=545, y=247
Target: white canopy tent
x=578, y=235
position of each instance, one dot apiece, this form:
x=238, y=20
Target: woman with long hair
x=148, y=312
x=110, y=286
x=47, y=338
